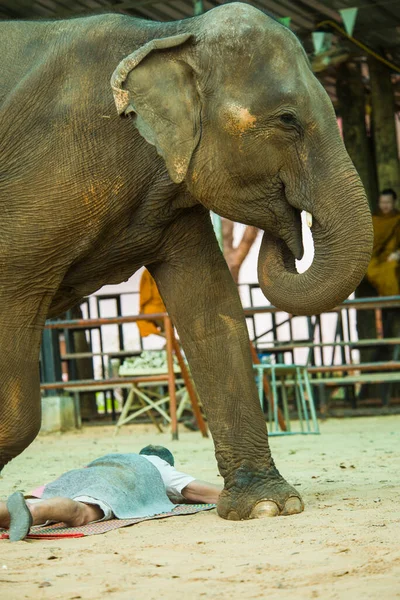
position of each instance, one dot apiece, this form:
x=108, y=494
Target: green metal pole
x=198, y=7
x=217, y=224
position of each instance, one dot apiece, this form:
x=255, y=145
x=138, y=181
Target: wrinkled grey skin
x=229, y=118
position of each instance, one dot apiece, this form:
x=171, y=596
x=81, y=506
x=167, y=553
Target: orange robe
x=149, y=302
x=384, y=275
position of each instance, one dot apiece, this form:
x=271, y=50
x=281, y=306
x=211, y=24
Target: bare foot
x=20, y=517
x=4, y=516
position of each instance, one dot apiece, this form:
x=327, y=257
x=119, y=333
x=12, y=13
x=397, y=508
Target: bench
x=376, y=373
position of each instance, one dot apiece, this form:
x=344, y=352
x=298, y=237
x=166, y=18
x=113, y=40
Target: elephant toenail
x=293, y=506
x=264, y=509
x=233, y=516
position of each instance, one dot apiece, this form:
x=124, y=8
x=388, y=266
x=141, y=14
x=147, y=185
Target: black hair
x=389, y=191
x=160, y=451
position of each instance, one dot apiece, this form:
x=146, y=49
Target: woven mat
x=58, y=530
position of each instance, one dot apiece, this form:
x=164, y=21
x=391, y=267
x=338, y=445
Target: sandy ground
x=345, y=545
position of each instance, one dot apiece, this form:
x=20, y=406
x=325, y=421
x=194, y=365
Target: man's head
x=387, y=201
x=160, y=451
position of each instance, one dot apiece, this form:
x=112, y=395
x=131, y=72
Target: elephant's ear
x=158, y=86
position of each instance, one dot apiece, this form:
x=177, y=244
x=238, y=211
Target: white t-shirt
x=174, y=480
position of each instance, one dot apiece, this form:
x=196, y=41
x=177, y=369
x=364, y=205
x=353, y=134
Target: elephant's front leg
x=204, y=304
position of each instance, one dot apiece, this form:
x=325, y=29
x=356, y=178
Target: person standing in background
x=383, y=270
x=150, y=302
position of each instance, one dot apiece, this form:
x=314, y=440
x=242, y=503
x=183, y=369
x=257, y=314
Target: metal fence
x=319, y=342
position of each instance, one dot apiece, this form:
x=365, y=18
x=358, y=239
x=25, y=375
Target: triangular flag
x=349, y=16
x=318, y=38
x=322, y=41
x=285, y=21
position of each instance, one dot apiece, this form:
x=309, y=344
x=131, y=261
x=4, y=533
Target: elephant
x=119, y=136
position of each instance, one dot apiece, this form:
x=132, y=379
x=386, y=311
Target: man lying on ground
x=121, y=486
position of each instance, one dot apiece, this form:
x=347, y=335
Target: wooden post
x=169, y=334
x=383, y=119
x=189, y=386
x=351, y=97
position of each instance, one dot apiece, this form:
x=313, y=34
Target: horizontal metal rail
x=377, y=366
x=358, y=303
x=103, y=383
x=282, y=347
x=112, y=353
x=361, y=378
x=98, y=322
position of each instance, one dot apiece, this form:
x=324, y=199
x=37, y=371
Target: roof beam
x=62, y=11
x=275, y=8
x=297, y=14
x=279, y=10
x=322, y=9
x=168, y=13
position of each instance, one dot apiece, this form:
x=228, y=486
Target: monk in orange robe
x=150, y=302
x=383, y=270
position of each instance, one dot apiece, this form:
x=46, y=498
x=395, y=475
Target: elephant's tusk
x=309, y=219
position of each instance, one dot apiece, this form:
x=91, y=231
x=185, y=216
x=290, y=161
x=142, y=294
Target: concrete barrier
x=60, y=413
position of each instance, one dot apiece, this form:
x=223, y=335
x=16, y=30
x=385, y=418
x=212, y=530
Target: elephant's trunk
x=343, y=236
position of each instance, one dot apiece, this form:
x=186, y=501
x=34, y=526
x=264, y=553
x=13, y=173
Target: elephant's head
x=232, y=106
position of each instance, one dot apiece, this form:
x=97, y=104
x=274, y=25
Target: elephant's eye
x=288, y=119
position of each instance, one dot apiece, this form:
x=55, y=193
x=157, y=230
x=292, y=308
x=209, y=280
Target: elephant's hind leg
x=21, y=322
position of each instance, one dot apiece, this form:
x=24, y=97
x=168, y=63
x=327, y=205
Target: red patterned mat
x=59, y=530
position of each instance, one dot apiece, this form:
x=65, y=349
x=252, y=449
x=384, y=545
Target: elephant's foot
x=258, y=495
